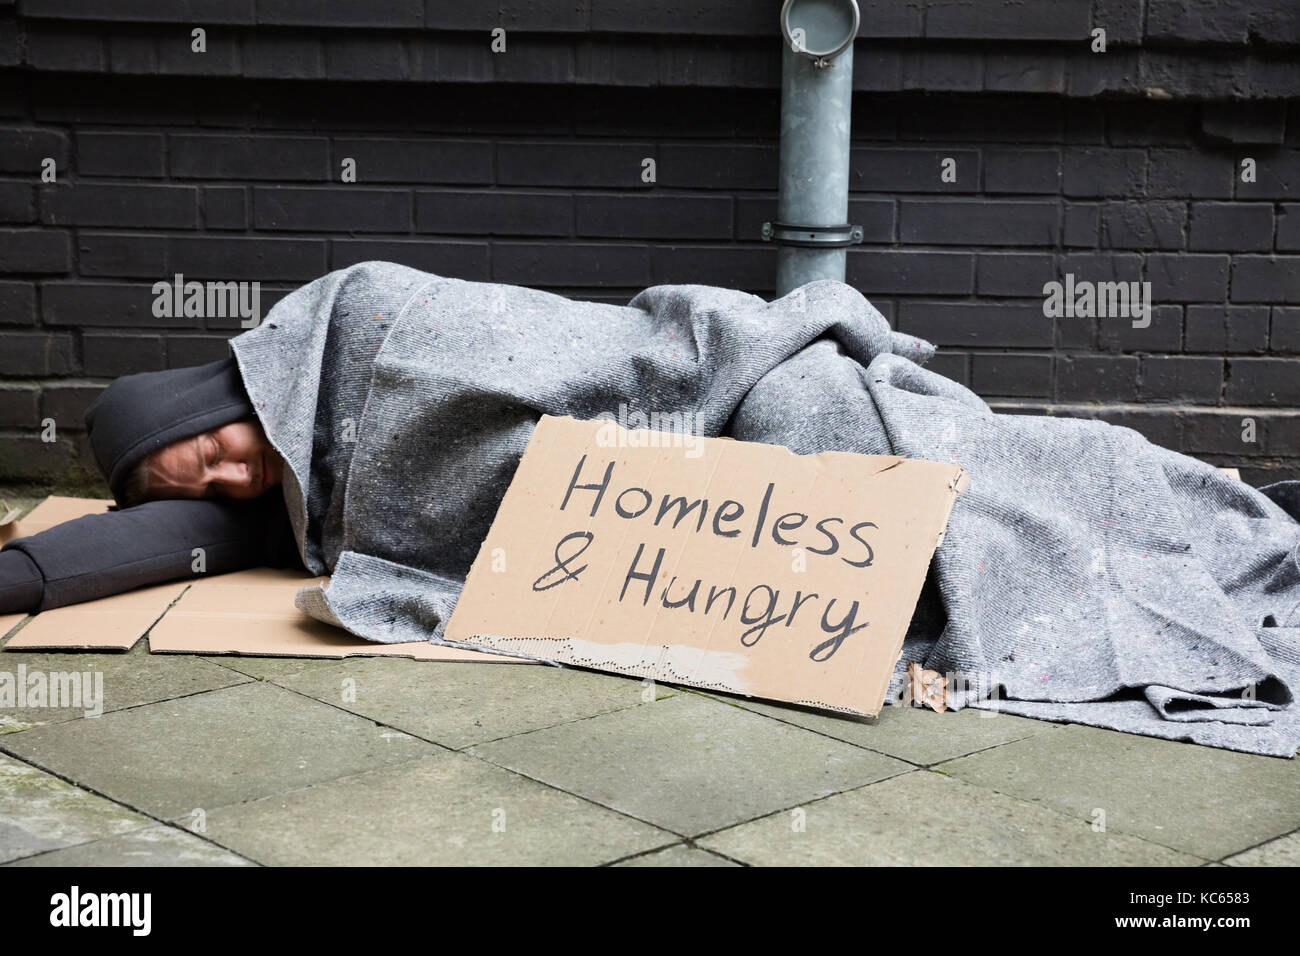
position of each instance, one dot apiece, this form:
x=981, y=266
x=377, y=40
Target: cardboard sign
x=729, y=565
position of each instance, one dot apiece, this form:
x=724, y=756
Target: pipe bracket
x=813, y=237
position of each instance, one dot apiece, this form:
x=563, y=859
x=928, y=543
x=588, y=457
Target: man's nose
x=233, y=474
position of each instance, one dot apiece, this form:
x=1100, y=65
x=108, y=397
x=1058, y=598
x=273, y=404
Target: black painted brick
x=496, y=212
x=1263, y=381
x=1082, y=226
x=1176, y=378
x=17, y=202
x=35, y=250
x=66, y=404
x=1273, y=279
x=1011, y=375
x=22, y=150
x=978, y=222
x=220, y=57
x=66, y=50
x=120, y=204
x=1097, y=378
x=1220, y=433
x=1231, y=227
x=462, y=162
x=340, y=208
x=983, y=324
x=1102, y=266
x=260, y=259
x=1022, y=170
x=225, y=207
x=696, y=167
x=27, y=354
x=560, y=165
x=1222, y=329
x=185, y=350
x=1182, y=172
x=1164, y=334
x=1288, y=228
x=1195, y=20
x=752, y=268
x=133, y=54
x=130, y=255
x=109, y=355
x=654, y=216
x=1041, y=20
x=901, y=270
x=159, y=11
x=17, y=304
x=342, y=13
x=1103, y=172
x=1023, y=72
x=1187, y=278
x=18, y=404
x=1285, y=335
x=1152, y=224
x=1277, y=174
x=212, y=156
x=895, y=170
x=570, y=264
x=127, y=306
x=1003, y=274
x=28, y=458
x=284, y=57
x=120, y=154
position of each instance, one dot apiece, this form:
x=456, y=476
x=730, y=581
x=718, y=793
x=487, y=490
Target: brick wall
x=526, y=167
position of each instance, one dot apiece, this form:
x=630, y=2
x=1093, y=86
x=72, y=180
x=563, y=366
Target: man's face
x=233, y=461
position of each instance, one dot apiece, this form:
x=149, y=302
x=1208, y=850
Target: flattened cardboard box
x=246, y=612
x=729, y=565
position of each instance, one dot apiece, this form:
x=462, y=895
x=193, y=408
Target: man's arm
x=102, y=554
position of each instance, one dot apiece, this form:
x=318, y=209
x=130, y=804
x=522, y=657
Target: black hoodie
x=108, y=553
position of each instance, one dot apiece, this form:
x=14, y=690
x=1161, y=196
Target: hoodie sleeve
x=102, y=554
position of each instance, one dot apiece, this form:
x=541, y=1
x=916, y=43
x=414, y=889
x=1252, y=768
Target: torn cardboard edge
x=542, y=608
x=247, y=613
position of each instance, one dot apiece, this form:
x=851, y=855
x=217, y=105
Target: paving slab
x=1284, y=851
x=915, y=734
x=926, y=819
x=266, y=668
x=152, y=846
x=208, y=750
x=127, y=679
x=679, y=855
x=445, y=810
x=40, y=812
x=690, y=764
x=1201, y=800
x=459, y=704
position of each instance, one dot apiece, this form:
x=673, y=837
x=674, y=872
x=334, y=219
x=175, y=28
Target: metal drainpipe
x=812, y=227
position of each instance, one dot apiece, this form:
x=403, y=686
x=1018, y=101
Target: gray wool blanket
x=1086, y=576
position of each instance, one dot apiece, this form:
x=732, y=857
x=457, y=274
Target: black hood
x=140, y=413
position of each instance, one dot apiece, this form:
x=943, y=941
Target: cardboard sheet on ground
x=248, y=612
x=729, y=565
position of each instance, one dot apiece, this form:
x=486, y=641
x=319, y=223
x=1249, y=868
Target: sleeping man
x=368, y=428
